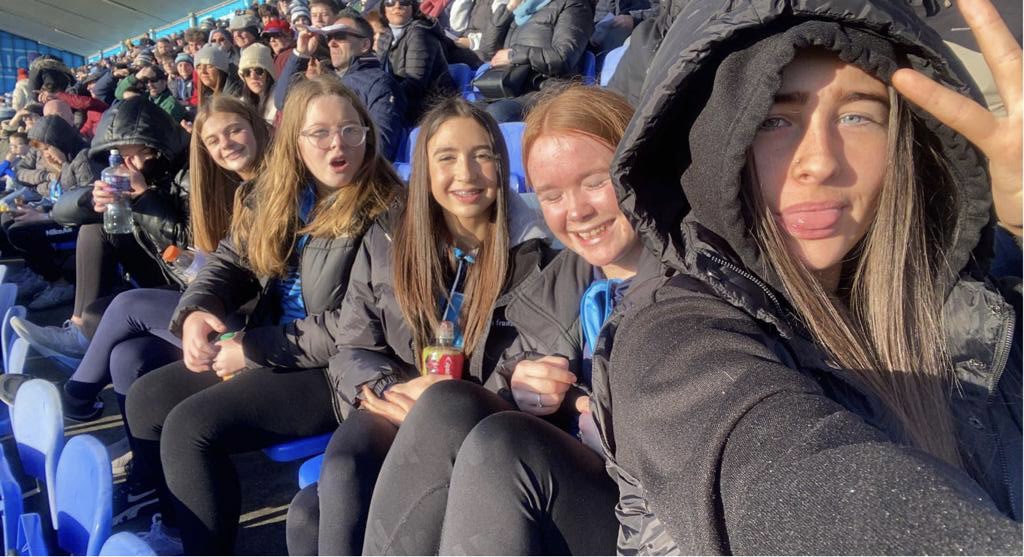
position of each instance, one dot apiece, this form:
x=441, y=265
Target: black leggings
x=96, y=258
x=35, y=242
x=186, y=425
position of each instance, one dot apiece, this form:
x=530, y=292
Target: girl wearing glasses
x=258, y=73
x=290, y=250
x=444, y=256
x=415, y=55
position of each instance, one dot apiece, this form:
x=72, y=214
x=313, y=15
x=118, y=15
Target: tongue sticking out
x=822, y=219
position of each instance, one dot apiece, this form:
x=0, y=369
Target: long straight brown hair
x=885, y=322
x=422, y=258
x=266, y=225
x=212, y=188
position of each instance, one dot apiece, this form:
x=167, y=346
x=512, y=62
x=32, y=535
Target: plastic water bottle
x=118, y=217
x=185, y=262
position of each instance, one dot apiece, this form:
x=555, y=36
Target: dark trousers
x=35, y=242
x=96, y=266
x=186, y=425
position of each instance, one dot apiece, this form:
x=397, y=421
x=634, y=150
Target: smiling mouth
x=593, y=233
x=468, y=196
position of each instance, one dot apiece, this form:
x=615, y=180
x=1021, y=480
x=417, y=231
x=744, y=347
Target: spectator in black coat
x=416, y=55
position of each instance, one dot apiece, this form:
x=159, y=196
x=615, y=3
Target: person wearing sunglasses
x=349, y=41
x=222, y=39
x=256, y=68
x=151, y=82
x=416, y=55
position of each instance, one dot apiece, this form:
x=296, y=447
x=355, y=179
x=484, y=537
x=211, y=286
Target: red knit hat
x=277, y=26
x=22, y=74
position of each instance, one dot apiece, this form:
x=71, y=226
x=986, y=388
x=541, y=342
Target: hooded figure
x=78, y=170
x=728, y=427
x=161, y=213
x=50, y=74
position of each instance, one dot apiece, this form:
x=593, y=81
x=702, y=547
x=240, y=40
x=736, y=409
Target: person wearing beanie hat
x=183, y=86
x=21, y=90
x=151, y=82
x=256, y=68
x=145, y=58
x=222, y=39
x=245, y=30
x=215, y=74
x=300, y=14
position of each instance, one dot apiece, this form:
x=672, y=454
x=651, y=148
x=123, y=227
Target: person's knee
x=303, y=522
x=144, y=408
x=357, y=448
x=498, y=440
x=127, y=360
x=452, y=404
x=193, y=425
x=505, y=110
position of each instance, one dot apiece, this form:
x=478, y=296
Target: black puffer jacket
x=417, y=60
x=631, y=73
x=727, y=428
x=552, y=42
x=161, y=213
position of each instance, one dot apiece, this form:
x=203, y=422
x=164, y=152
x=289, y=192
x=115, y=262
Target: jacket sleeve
x=104, y=88
x=83, y=102
x=289, y=75
x=31, y=171
x=573, y=28
x=493, y=38
x=162, y=215
x=123, y=86
x=645, y=13
x=222, y=286
x=421, y=50
x=386, y=104
x=735, y=451
x=364, y=356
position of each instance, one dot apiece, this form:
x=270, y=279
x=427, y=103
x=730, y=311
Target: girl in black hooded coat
x=834, y=371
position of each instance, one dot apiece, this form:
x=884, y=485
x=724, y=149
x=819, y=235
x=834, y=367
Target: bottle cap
x=445, y=332
x=171, y=253
x=114, y=152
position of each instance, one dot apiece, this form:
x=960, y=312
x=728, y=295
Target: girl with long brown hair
x=292, y=242
x=450, y=253
x=833, y=371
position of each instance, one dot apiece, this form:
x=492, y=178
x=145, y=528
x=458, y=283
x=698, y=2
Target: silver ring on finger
x=539, y=403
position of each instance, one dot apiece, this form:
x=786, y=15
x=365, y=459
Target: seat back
x=126, y=543
x=588, y=68
x=7, y=334
x=84, y=496
x=611, y=61
x=10, y=492
x=462, y=75
x=513, y=133
x=38, y=424
x=3, y=273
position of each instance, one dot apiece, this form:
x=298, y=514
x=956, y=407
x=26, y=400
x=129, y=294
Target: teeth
x=468, y=193
x=592, y=233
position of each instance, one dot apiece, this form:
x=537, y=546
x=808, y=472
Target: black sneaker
x=9, y=385
x=81, y=410
x=131, y=496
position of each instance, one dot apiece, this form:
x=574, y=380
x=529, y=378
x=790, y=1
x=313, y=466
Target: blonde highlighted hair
x=268, y=222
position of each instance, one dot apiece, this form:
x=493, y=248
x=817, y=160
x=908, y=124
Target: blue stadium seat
x=10, y=492
x=126, y=543
x=297, y=449
x=513, y=133
x=611, y=61
x=309, y=472
x=84, y=496
x=3, y=273
x=588, y=68
x=462, y=75
x=38, y=423
x=8, y=336
x=84, y=502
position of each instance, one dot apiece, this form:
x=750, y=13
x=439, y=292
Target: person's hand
x=121, y=72
x=999, y=138
x=588, y=427
x=512, y=5
x=46, y=96
x=55, y=159
x=464, y=42
x=500, y=58
x=102, y=195
x=186, y=125
x=314, y=69
x=230, y=358
x=624, y=21
x=199, y=352
x=136, y=180
x=393, y=410
x=539, y=386
x=306, y=43
x=415, y=387
x=29, y=214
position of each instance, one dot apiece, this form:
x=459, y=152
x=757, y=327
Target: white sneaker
x=161, y=539
x=67, y=340
x=120, y=456
x=52, y=296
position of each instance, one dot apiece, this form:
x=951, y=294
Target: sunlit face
x=243, y=38
x=463, y=171
x=185, y=70
x=345, y=46
x=222, y=41
x=820, y=157
x=194, y=47
x=19, y=146
x=280, y=42
x=230, y=140
x=398, y=12
x=322, y=15
x=255, y=79
x=337, y=165
x=207, y=75
x=570, y=173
